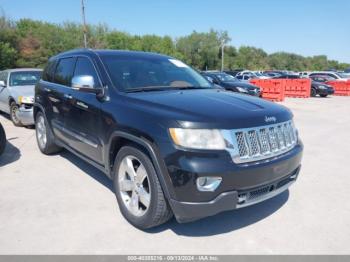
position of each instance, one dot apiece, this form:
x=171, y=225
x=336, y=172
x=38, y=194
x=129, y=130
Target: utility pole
x=222, y=55
x=84, y=22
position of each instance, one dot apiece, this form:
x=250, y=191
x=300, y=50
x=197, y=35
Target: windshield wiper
x=147, y=88
x=162, y=88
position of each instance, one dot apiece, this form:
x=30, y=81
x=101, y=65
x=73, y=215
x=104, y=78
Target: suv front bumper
x=242, y=184
x=191, y=211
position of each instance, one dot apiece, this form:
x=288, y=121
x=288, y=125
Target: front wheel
x=313, y=92
x=138, y=191
x=44, y=137
x=324, y=95
x=14, y=114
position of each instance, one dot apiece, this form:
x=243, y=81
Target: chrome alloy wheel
x=134, y=186
x=41, y=131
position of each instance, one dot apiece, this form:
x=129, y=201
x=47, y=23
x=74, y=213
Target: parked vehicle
x=304, y=74
x=285, y=76
x=233, y=72
x=321, y=78
x=272, y=74
x=17, y=94
x=171, y=143
x=335, y=75
x=2, y=140
x=321, y=89
x=247, y=75
x=232, y=84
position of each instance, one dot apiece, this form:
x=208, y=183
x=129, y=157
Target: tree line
x=29, y=43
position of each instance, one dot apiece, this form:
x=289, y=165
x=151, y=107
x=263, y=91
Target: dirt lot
x=61, y=205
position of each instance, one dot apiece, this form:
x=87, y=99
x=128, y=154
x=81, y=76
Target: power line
x=84, y=22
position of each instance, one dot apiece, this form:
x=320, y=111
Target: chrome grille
x=253, y=143
x=243, y=149
x=264, y=142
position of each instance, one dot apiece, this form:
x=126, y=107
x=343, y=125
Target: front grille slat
x=264, y=142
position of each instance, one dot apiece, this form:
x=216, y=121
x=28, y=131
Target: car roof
x=104, y=52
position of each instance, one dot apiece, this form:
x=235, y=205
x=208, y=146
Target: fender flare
x=159, y=168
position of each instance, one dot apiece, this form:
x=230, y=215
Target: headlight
x=210, y=139
x=25, y=100
x=241, y=89
x=322, y=87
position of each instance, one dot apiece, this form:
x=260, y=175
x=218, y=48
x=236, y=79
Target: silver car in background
x=17, y=94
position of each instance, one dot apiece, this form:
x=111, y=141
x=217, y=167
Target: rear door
x=58, y=95
x=82, y=116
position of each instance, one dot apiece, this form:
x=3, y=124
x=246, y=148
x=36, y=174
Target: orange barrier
x=271, y=89
x=297, y=88
x=278, y=89
x=341, y=88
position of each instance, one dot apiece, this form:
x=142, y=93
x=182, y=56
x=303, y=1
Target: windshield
x=24, y=78
x=342, y=75
x=225, y=77
x=141, y=73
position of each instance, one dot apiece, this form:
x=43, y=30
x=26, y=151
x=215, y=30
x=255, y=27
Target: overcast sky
x=306, y=27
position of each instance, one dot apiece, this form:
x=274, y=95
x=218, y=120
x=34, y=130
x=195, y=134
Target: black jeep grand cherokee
x=169, y=140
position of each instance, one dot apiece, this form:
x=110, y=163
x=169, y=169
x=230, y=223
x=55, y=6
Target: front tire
x=44, y=137
x=313, y=92
x=14, y=114
x=323, y=95
x=139, y=194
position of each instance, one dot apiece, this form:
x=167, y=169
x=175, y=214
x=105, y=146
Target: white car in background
x=247, y=75
x=17, y=94
x=335, y=75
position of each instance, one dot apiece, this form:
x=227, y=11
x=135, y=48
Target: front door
x=82, y=118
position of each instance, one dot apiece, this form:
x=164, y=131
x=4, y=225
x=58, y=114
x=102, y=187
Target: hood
x=241, y=84
x=17, y=91
x=208, y=108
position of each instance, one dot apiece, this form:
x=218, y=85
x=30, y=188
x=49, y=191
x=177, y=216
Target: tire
x=13, y=114
x=44, y=136
x=2, y=140
x=323, y=95
x=140, y=216
x=313, y=92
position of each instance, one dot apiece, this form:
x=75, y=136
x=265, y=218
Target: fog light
x=242, y=198
x=208, y=183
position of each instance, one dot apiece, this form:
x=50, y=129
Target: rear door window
x=64, y=71
x=48, y=74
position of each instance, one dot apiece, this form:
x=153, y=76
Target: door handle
x=68, y=96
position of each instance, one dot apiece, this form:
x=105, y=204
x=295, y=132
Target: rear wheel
x=14, y=114
x=44, y=137
x=2, y=139
x=138, y=191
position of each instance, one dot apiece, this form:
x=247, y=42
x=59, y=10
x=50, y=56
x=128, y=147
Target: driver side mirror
x=85, y=83
x=2, y=83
